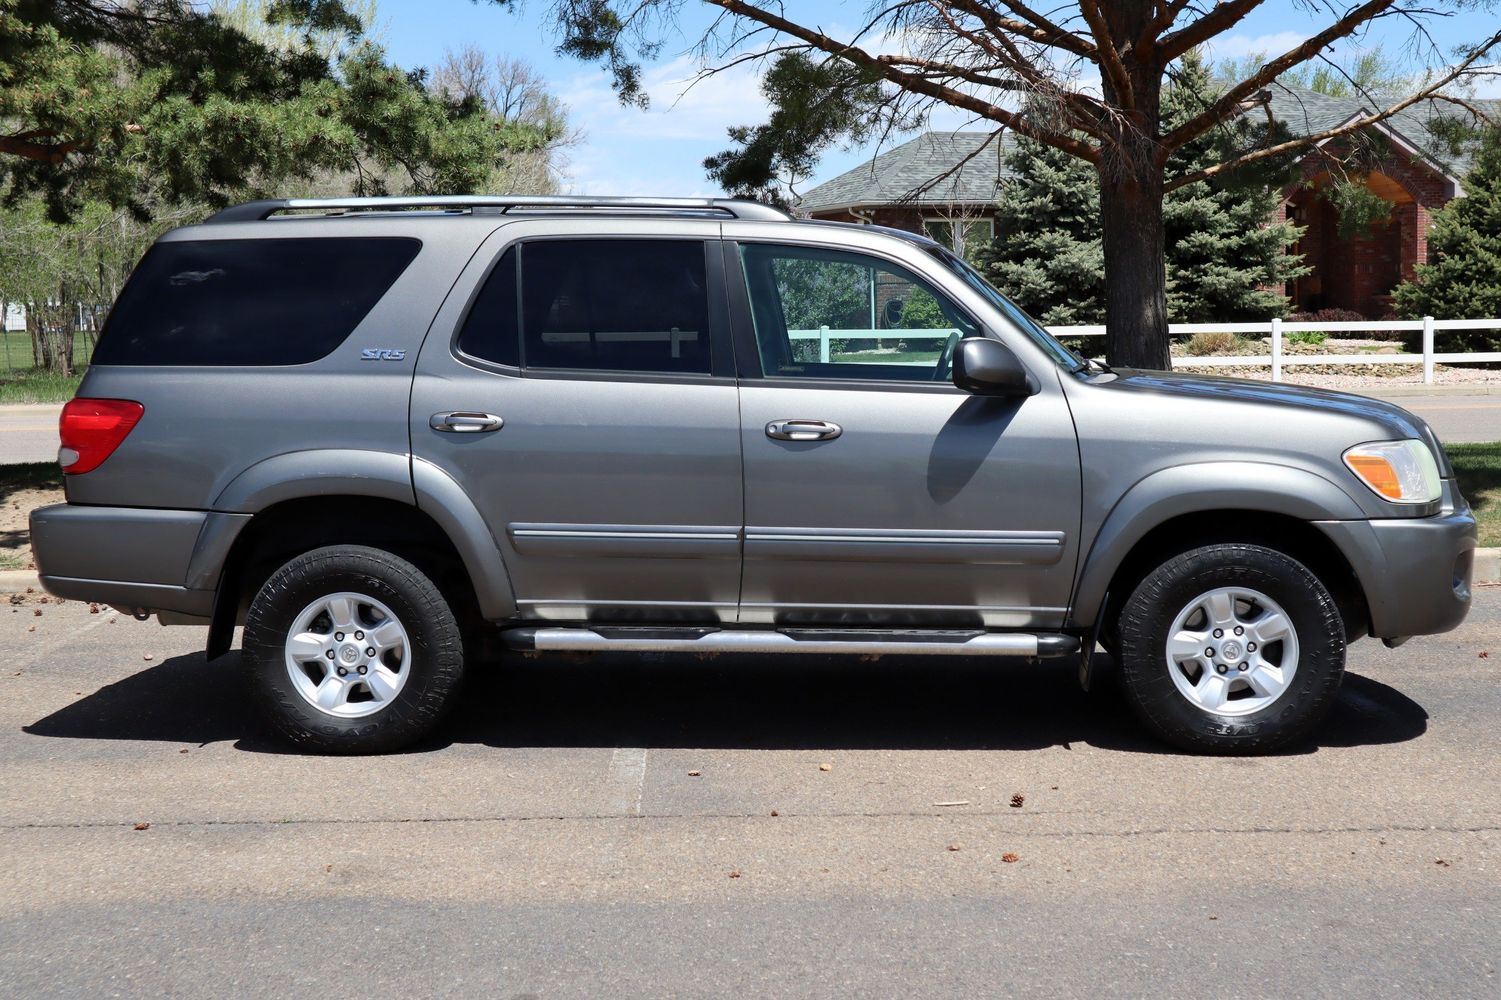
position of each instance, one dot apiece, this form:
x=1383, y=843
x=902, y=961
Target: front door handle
x=803, y=430
x=465, y=422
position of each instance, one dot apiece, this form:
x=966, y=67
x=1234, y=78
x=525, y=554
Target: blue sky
x=660, y=151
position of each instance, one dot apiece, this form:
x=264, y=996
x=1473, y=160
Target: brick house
x=945, y=184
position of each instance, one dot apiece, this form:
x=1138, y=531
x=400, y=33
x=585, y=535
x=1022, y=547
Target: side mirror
x=987, y=367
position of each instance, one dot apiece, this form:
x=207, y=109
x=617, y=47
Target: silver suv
x=393, y=436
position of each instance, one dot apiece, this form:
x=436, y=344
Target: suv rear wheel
x=351, y=649
x=1231, y=649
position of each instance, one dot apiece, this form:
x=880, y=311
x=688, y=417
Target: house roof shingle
x=906, y=173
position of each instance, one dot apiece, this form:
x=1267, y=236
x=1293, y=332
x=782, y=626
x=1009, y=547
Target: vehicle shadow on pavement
x=730, y=702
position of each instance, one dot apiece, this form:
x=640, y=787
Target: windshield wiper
x=1086, y=363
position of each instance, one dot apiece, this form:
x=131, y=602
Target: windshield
x=1026, y=324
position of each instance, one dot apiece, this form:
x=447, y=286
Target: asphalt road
x=29, y=433
x=553, y=843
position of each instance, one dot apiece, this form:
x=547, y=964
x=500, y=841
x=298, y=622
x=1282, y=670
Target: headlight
x=1398, y=471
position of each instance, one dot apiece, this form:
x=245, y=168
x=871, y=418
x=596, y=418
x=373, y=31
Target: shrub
x=1203, y=344
x=1340, y=316
x=1314, y=337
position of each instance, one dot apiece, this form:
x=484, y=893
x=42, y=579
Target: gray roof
x=1306, y=112
x=906, y=173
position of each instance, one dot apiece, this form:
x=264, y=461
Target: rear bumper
x=133, y=559
x=1415, y=571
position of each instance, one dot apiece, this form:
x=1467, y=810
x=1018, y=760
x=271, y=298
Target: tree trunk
x=1135, y=271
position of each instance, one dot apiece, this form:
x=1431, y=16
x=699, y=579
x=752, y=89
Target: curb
x=15, y=581
x=1487, y=566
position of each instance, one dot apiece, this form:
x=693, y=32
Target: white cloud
x=1238, y=46
x=682, y=105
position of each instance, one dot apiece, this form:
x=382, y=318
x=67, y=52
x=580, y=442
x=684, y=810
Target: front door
x=877, y=493
x=587, y=405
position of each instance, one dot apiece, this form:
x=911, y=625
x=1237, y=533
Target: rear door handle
x=465, y=422
x=803, y=430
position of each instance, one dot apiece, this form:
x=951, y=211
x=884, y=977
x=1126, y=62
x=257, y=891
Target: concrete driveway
x=555, y=842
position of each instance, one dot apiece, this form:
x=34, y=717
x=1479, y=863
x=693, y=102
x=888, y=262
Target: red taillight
x=91, y=429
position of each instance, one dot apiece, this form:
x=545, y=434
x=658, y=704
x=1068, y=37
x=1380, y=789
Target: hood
x=1292, y=400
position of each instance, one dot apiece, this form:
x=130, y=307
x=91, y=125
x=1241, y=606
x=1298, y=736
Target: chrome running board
x=865, y=642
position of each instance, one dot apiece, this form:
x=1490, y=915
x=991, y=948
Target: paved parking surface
x=28, y=433
x=553, y=842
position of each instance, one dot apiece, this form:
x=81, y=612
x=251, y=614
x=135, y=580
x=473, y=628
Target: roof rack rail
x=258, y=211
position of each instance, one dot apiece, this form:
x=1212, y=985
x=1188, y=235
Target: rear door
x=579, y=385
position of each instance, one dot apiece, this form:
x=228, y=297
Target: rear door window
x=249, y=302
x=615, y=305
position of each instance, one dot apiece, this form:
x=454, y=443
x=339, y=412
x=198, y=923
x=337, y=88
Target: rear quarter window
x=249, y=302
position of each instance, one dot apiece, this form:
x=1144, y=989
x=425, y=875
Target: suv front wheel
x=1231, y=649
x=350, y=649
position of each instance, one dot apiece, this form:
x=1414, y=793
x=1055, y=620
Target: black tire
x=434, y=662
x=1149, y=614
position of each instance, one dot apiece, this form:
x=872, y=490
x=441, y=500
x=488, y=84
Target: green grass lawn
x=31, y=385
x=1478, y=468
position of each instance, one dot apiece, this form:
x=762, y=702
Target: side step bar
x=867, y=642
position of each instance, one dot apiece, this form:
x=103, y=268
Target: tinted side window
x=249, y=302
x=615, y=305
x=490, y=331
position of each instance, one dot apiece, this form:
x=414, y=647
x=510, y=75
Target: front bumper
x=1415, y=571
x=133, y=559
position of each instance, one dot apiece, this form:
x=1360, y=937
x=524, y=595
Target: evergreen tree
x=1462, y=278
x=1047, y=255
x=1225, y=260
x=169, y=101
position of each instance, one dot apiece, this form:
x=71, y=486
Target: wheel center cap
x=349, y=654
x=1231, y=650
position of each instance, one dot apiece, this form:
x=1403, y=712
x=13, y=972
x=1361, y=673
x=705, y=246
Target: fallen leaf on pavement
x=695, y=774
x=735, y=874
x=37, y=613
x=953, y=847
x=183, y=750
x=1485, y=654
x=1441, y=861
x=93, y=609
x=1017, y=800
x=775, y=813
x=142, y=826
x=821, y=767
x=1010, y=858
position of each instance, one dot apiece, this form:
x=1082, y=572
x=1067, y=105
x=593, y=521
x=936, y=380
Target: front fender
x=1192, y=489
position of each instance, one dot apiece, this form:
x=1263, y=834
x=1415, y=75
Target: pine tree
x=1225, y=260
x=1462, y=279
x=1047, y=255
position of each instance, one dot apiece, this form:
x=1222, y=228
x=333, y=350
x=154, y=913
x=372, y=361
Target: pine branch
x=911, y=82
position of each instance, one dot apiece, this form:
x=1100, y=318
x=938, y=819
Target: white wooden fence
x=1277, y=329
